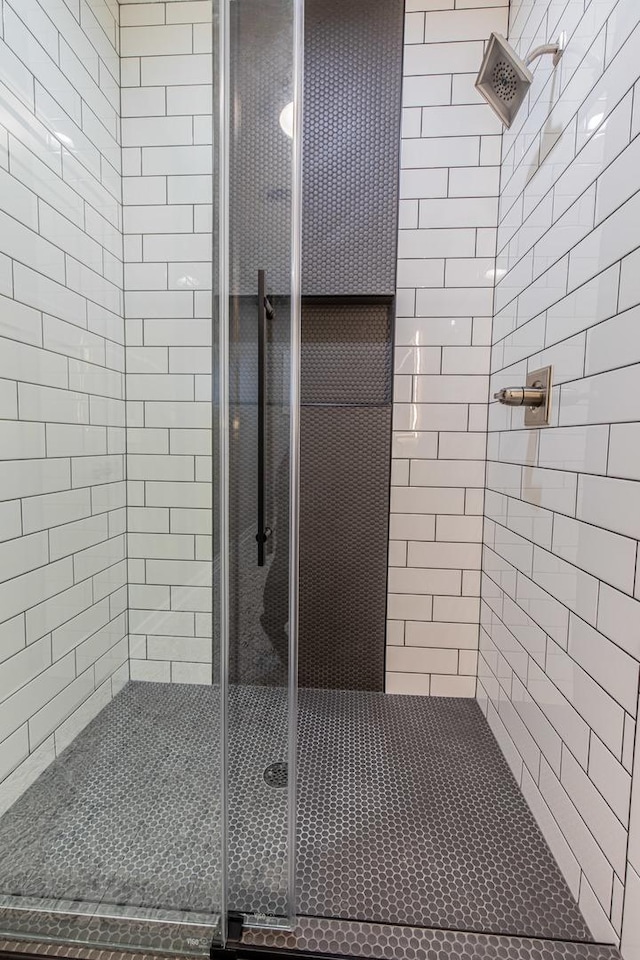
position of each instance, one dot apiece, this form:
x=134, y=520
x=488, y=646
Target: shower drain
x=277, y=774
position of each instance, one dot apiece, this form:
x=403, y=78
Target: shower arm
x=547, y=48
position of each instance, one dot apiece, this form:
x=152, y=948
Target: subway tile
x=427, y=500
x=71, y=537
x=421, y=660
x=450, y=389
x=430, y=242
x=21, y=440
x=69, y=728
x=421, y=417
x=406, y=526
x=175, y=70
x=612, y=667
x=190, y=99
x=191, y=415
x=431, y=331
x=146, y=276
x=595, y=811
x=465, y=360
x=11, y=524
x=456, y=609
x=24, y=665
x=442, y=554
x=603, y=398
x=90, y=471
x=95, y=647
x=466, y=529
x=458, y=636
x=574, y=588
x=462, y=446
x=177, y=572
x=413, y=684
x=614, y=343
x=155, y=41
x=608, y=556
x=20, y=322
x=13, y=750
x=415, y=580
x=475, y=181
x=530, y=521
x=409, y=606
x=624, y=455
x=31, y=478
x=23, y=554
x=629, y=281
x=395, y=632
x=447, y=473
x=469, y=24
x=143, y=102
x=536, y=722
x=438, y=152
x=452, y=686
x=551, y=489
x=30, y=364
x=608, y=242
x=610, y=503
x=414, y=27
x=552, y=833
x=458, y=212
x=610, y=778
x=581, y=449
x=420, y=273
x=585, y=848
x=49, y=718
x=619, y=619
x=422, y=183
x=181, y=649
x=418, y=91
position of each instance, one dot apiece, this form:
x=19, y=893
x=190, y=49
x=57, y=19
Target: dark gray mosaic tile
x=344, y=495
x=345, y=938
x=407, y=814
x=352, y=101
x=129, y=815
x=126, y=814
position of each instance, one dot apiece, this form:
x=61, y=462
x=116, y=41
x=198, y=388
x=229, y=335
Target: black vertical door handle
x=265, y=312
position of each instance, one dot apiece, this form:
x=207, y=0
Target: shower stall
x=196, y=744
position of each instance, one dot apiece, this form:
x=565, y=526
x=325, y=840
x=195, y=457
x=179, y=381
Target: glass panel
x=110, y=806
x=259, y=215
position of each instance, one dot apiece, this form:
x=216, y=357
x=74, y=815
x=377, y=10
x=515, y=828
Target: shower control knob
x=534, y=396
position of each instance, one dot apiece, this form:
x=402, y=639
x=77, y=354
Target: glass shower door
x=258, y=303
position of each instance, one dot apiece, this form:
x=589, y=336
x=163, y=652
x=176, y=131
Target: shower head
x=503, y=79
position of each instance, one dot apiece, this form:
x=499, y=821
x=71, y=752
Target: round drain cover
x=277, y=774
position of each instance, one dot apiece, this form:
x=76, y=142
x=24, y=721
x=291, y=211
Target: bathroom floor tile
x=407, y=814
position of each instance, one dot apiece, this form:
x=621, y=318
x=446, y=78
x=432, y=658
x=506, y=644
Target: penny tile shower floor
x=407, y=814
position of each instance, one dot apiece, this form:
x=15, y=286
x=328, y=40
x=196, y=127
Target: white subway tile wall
x=449, y=185
x=167, y=192
x=560, y=619
x=63, y=593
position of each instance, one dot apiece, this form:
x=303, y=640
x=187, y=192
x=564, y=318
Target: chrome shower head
x=503, y=79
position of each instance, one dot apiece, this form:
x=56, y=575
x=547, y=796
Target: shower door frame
x=222, y=294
